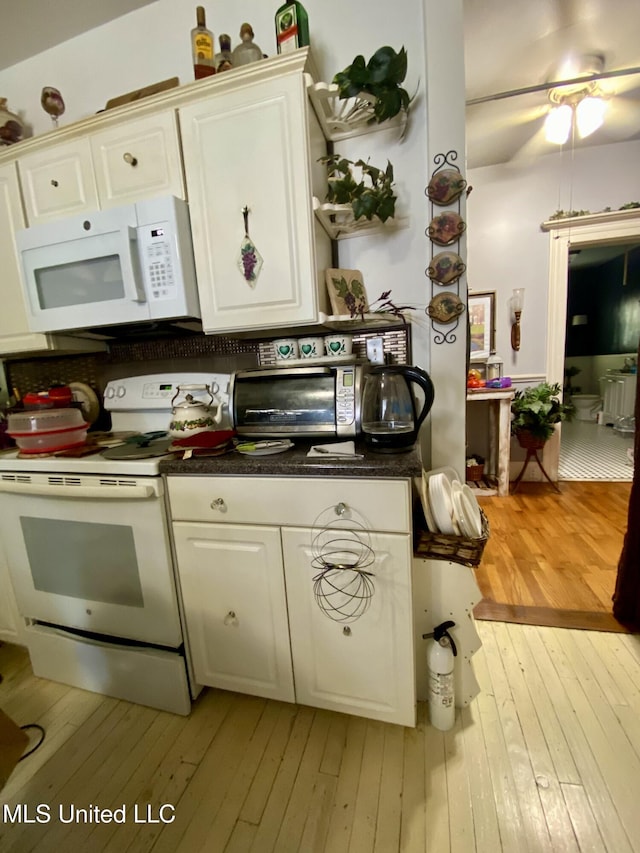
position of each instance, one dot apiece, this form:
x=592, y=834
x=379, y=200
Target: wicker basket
x=442, y=546
x=474, y=473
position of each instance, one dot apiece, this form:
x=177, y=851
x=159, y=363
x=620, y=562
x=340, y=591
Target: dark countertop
x=294, y=463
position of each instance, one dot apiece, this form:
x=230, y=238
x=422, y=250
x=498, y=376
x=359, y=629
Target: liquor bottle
x=223, y=59
x=292, y=27
x=246, y=51
x=202, y=48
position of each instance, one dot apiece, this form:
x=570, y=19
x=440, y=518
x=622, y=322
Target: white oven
x=91, y=553
x=88, y=546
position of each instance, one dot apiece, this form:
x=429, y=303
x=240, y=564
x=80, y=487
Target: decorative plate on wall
x=445, y=307
x=446, y=186
x=446, y=228
x=446, y=267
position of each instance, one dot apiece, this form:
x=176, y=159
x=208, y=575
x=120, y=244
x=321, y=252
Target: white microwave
x=124, y=265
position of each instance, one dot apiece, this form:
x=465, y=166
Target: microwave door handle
x=133, y=283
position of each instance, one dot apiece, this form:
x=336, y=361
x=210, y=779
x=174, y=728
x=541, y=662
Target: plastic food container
x=47, y=431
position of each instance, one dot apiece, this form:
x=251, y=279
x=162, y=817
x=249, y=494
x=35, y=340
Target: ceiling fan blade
x=622, y=118
x=529, y=152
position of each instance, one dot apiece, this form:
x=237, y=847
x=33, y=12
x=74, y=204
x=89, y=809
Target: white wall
x=507, y=249
x=152, y=44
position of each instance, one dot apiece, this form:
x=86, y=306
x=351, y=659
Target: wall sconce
x=517, y=301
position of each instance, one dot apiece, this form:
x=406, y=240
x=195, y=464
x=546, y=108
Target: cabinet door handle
x=130, y=159
x=219, y=504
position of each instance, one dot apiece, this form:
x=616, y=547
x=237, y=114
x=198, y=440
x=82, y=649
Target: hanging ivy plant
x=381, y=76
x=371, y=196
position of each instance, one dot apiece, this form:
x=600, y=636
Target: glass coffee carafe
x=390, y=420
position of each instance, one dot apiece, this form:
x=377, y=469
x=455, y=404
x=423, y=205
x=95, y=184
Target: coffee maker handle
x=423, y=380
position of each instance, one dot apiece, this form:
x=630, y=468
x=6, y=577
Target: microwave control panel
x=156, y=255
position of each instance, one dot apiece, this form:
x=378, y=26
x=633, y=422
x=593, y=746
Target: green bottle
x=292, y=27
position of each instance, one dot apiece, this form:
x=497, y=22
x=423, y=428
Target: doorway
x=615, y=227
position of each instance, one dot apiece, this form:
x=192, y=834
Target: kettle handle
x=206, y=388
x=421, y=377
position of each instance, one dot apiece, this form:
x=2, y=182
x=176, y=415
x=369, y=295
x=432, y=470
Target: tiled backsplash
x=214, y=353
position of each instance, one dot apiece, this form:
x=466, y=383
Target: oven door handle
x=99, y=492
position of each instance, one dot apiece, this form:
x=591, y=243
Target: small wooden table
x=499, y=400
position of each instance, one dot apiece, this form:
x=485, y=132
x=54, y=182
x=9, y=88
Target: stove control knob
x=110, y=392
x=121, y=391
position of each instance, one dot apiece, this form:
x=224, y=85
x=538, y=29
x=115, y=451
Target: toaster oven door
x=285, y=403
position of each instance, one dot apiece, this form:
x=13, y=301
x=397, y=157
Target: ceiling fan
x=578, y=99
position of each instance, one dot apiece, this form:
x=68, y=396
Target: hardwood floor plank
x=316, y=826
x=262, y=783
x=284, y=781
x=388, y=823
x=242, y=837
x=526, y=789
x=412, y=821
x=295, y=815
x=461, y=833
x=437, y=819
x=344, y=803
x=334, y=749
x=582, y=819
x=485, y=818
x=364, y=817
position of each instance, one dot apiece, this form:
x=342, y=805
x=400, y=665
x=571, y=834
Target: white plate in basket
x=441, y=504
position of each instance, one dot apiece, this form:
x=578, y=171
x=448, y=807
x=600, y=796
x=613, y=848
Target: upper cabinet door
x=249, y=148
x=58, y=181
x=139, y=159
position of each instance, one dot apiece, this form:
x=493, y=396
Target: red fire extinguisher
x=441, y=653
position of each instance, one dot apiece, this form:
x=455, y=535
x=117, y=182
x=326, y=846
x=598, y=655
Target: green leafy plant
x=381, y=76
x=371, y=196
x=538, y=409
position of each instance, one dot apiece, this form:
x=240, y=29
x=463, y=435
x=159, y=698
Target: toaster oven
x=297, y=402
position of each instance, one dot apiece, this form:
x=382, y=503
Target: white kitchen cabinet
x=233, y=591
x=15, y=336
x=365, y=667
x=119, y=165
x=256, y=147
x=242, y=541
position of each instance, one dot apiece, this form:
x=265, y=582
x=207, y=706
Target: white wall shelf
x=348, y=117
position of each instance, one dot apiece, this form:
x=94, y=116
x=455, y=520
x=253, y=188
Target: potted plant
x=536, y=411
x=381, y=77
x=370, y=196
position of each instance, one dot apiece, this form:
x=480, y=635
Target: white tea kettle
x=192, y=415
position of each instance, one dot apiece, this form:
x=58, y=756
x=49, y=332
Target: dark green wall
x=612, y=308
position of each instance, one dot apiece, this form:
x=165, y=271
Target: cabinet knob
x=130, y=159
x=219, y=504
x=54, y=183
x=346, y=631
x=231, y=618
x=340, y=508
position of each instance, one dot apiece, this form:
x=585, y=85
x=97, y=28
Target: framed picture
x=481, y=325
x=347, y=293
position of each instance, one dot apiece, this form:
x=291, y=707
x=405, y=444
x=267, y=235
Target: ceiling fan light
x=589, y=115
x=558, y=124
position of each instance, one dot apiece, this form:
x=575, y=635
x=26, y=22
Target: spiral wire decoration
x=341, y=554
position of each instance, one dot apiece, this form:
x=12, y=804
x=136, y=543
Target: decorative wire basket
x=342, y=553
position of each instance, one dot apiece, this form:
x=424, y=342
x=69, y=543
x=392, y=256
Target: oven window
x=308, y=401
x=80, y=282
x=87, y=560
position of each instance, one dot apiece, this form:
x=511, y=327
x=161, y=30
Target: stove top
x=138, y=404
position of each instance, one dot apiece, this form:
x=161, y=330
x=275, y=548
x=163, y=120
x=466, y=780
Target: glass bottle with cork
x=202, y=47
x=223, y=59
x=292, y=27
x=247, y=51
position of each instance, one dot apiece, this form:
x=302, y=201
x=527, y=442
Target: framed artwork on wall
x=481, y=325
x=347, y=292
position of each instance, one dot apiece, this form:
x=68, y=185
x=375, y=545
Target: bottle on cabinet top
x=202, y=48
x=247, y=51
x=223, y=59
x=292, y=27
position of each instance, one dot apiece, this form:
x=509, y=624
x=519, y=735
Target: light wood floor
x=551, y=558
x=546, y=758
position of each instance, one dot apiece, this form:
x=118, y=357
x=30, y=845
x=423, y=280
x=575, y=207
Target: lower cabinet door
x=232, y=583
x=366, y=666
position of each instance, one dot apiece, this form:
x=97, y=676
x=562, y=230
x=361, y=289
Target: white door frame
x=619, y=226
